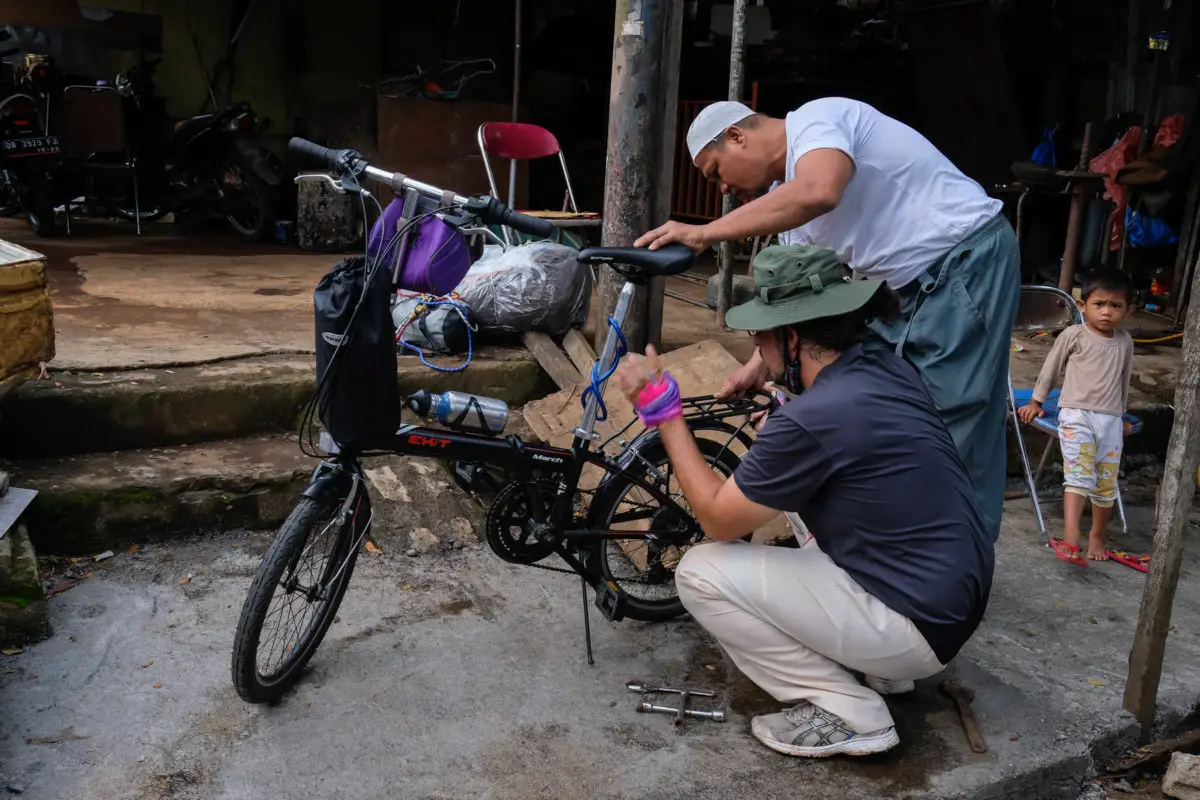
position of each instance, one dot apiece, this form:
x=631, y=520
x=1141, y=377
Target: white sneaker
x=806, y=730
x=890, y=687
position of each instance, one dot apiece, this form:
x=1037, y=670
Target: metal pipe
x=586, y=429
x=516, y=103
x=1080, y=191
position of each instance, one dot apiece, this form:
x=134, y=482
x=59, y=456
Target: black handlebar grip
x=534, y=226
x=313, y=153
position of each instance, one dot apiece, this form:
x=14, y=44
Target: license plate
x=31, y=146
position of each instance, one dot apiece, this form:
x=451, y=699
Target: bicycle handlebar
x=489, y=209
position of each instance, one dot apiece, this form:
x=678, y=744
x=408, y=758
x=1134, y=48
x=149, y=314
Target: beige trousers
x=796, y=624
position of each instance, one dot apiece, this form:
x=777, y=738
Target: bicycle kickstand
x=587, y=626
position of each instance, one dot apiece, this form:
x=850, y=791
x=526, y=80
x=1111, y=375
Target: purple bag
x=432, y=257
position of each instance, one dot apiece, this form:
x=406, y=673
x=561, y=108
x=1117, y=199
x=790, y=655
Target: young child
x=1097, y=358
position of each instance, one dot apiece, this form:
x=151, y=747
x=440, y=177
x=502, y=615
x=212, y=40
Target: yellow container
x=26, y=316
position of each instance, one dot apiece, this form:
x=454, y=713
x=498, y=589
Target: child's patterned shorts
x=1091, y=447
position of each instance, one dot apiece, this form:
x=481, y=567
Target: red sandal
x=1068, y=553
x=1140, y=563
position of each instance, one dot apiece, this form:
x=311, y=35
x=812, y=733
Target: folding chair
x=520, y=141
x=1046, y=308
x=95, y=135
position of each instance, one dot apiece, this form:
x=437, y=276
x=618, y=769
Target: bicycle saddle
x=670, y=260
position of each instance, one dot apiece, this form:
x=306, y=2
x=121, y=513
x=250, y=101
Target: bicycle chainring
x=510, y=527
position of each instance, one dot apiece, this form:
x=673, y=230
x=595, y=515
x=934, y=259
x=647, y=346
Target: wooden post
x=737, y=50
x=642, y=117
x=1175, y=496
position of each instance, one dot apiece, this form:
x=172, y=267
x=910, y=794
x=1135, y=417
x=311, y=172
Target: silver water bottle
x=462, y=411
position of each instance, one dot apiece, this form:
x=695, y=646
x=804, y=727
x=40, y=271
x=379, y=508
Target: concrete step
x=91, y=503
x=106, y=411
x=22, y=602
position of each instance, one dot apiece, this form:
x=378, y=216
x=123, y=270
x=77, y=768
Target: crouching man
x=897, y=575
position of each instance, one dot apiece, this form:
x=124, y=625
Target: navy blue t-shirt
x=866, y=461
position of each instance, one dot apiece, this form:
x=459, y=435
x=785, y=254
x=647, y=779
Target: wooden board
x=435, y=141
x=580, y=352
x=553, y=360
x=699, y=369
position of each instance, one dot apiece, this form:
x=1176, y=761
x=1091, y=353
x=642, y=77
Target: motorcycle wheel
x=248, y=204
x=10, y=198
x=38, y=205
x=152, y=214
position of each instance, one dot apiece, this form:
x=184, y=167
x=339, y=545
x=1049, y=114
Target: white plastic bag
x=539, y=286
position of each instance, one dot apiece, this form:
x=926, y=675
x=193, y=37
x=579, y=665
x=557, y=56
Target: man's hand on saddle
x=691, y=235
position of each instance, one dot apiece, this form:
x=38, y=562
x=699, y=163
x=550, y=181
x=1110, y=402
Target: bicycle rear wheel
x=298, y=588
x=645, y=574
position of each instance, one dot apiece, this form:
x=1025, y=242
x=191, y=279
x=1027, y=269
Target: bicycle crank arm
x=650, y=708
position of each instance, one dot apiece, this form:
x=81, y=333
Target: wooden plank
x=579, y=351
x=1175, y=496
x=553, y=360
x=700, y=369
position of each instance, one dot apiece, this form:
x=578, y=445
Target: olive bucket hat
x=799, y=283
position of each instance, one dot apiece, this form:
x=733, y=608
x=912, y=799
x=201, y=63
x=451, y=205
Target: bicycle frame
x=524, y=460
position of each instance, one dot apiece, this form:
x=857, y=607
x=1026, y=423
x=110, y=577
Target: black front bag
x=357, y=395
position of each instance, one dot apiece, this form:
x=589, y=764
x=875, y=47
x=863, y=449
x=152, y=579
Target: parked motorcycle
x=211, y=164
x=29, y=158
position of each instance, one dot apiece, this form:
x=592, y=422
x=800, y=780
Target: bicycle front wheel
x=297, y=591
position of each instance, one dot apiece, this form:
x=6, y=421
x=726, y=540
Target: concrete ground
x=455, y=675
x=123, y=301
x=126, y=301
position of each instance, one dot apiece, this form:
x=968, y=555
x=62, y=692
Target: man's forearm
x=699, y=483
x=788, y=207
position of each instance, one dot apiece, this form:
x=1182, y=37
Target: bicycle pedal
x=610, y=602
x=468, y=475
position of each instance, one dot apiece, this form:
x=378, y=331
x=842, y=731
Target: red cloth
x=1120, y=154
x=1108, y=162
x=1169, y=131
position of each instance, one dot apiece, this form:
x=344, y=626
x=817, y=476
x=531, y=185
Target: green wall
x=342, y=50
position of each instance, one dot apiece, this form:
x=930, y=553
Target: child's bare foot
x=1096, y=548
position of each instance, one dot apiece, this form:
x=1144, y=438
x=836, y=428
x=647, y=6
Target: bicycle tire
x=287, y=547
x=611, y=498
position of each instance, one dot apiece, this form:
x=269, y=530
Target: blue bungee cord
x=597, y=378
x=458, y=306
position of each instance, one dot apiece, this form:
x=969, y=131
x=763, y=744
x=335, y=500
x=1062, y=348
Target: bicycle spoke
x=299, y=597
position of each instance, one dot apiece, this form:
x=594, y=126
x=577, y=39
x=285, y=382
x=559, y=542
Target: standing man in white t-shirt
x=840, y=174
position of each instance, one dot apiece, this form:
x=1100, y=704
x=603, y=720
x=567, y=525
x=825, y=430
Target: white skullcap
x=712, y=121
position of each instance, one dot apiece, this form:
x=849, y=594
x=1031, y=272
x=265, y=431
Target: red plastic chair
x=521, y=141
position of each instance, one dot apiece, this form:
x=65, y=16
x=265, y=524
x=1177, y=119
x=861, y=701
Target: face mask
x=791, y=365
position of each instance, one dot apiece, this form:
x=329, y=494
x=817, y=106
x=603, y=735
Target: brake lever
x=347, y=183
x=317, y=176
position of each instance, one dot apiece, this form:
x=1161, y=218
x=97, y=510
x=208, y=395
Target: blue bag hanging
x=1045, y=153
x=1147, y=231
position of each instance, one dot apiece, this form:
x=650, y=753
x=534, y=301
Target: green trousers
x=955, y=328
